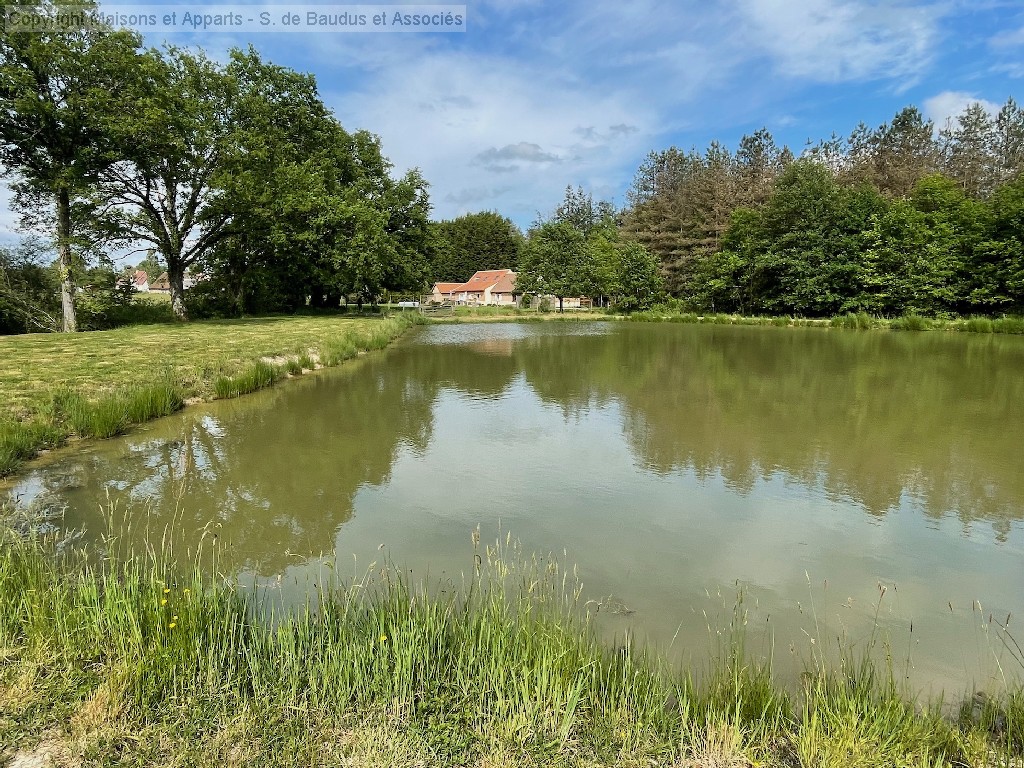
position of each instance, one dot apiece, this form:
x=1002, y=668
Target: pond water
x=843, y=485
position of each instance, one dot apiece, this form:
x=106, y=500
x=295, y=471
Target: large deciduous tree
x=556, y=261
x=313, y=212
x=60, y=86
x=161, y=191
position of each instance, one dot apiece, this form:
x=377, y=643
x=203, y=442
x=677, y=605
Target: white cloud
x=509, y=157
x=842, y=40
x=944, y=108
x=476, y=124
x=1010, y=39
x=536, y=96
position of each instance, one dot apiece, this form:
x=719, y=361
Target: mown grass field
x=141, y=661
x=54, y=385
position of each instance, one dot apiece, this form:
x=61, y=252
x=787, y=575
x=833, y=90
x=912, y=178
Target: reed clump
x=1008, y=325
x=21, y=440
x=256, y=376
x=855, y=321
x=113, y=413
x=979, y=325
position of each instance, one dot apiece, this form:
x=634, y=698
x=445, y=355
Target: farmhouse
x=161, y=285
x=494, y=287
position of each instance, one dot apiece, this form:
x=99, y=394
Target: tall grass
x=99, y=414
x=256, y=376
x=146, y=657
x=112, y=414
x=20, y=440
x=860, y=321
x=1008, y=325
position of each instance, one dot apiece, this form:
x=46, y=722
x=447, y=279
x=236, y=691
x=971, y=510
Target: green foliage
x=890, y=221
x=315, y=214
x=557, y=262
x=28, y=294
x=579, y=210
x=473, y=242
x=638, y=281
x=60, y=87
x=996, y=265
x=798, y=254
x=908, y=264
x=103, y=303
x=140, y=311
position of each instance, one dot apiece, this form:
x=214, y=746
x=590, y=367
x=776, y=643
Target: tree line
x=577, y=251
x=236, y=171
x=893, y=220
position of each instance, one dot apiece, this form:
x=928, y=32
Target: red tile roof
x=507, y=284
x=446, y=287
x=484, y=279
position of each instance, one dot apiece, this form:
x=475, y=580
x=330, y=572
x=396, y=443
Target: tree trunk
x=176, y=277
x=560, y=308
x=67, y=283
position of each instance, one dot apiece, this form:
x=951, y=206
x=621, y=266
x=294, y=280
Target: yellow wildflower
x=172, y=625
x=383, y=638
x=164, y=601
x=167, y=591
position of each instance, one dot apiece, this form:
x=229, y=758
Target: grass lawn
x=49, y=381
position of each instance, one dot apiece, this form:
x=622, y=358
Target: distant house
x=192, y=278
x=443, y=292
x=570, y=302
x=503, y=293
x=487, y=287
x=161, y=285
x=140, y=281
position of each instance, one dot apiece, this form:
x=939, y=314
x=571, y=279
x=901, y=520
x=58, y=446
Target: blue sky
x=535, y=96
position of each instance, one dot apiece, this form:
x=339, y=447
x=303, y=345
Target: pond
x=839, y=487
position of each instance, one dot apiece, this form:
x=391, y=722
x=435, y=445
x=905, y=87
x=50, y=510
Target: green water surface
x=846, y=487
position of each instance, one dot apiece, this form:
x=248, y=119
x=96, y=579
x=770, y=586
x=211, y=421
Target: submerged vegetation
x=52, y=388
x=125, y=659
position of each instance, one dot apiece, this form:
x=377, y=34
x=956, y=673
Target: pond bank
x=138, y=662
x=850, y=321
x=57, y=386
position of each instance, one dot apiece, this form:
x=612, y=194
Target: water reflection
x=669, y=461
x=275, y=475
x=880, y=419
x=871, y=417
